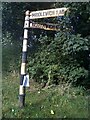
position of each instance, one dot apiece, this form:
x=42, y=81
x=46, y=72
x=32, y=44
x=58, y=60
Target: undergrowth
x=62, y=101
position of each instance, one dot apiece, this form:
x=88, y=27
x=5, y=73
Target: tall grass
x=60, y=101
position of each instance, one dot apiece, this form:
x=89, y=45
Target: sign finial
x=27, y=12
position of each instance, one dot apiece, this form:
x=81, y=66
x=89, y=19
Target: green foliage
x=79, y=16
x=10, y=54
x=75, y=44
x=64, y=58
x=57, y=60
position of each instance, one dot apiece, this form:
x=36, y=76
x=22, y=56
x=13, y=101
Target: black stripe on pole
x=21, y=79
x=22, y=98
x=24, y=57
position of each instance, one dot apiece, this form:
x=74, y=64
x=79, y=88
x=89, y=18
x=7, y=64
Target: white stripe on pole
x=26, y=25
x=23, y=68
x=26, y=33
x=24, y=46
x=27, y=18
x=21, y=90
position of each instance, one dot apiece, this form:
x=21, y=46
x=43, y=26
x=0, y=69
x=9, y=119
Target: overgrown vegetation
x=53, y=57
x=60, y=59
x=59, y=62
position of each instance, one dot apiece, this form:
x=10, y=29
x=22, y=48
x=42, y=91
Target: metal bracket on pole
x=24, y=61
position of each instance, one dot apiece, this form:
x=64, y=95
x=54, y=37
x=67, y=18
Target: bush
x=60, y=59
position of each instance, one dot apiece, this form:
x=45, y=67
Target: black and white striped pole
x=24, y=61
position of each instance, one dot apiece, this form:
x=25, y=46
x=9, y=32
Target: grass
x=61, y=101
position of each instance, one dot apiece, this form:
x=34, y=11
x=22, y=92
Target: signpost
x=48, y=13
x=24, y=79
x=24, y=61
x=45, y=26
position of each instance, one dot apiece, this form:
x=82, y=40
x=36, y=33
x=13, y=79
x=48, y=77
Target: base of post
x=21, y=101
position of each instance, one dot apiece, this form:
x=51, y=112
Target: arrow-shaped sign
x=48, y=13
x=46, y=26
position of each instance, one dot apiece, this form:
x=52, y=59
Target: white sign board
x=26, y=81
x=48, y=13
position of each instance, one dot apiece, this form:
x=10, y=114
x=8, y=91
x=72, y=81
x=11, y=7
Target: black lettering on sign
x=56, y=12
x=50, y=26
x=40, y=14
x=34, y=14
x=44, y=13
x=51, y=13
x=45, y=26
x=61, y=11
x=41, y=26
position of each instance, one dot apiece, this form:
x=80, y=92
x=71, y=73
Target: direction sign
x=46, y=26
x=48, y=13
